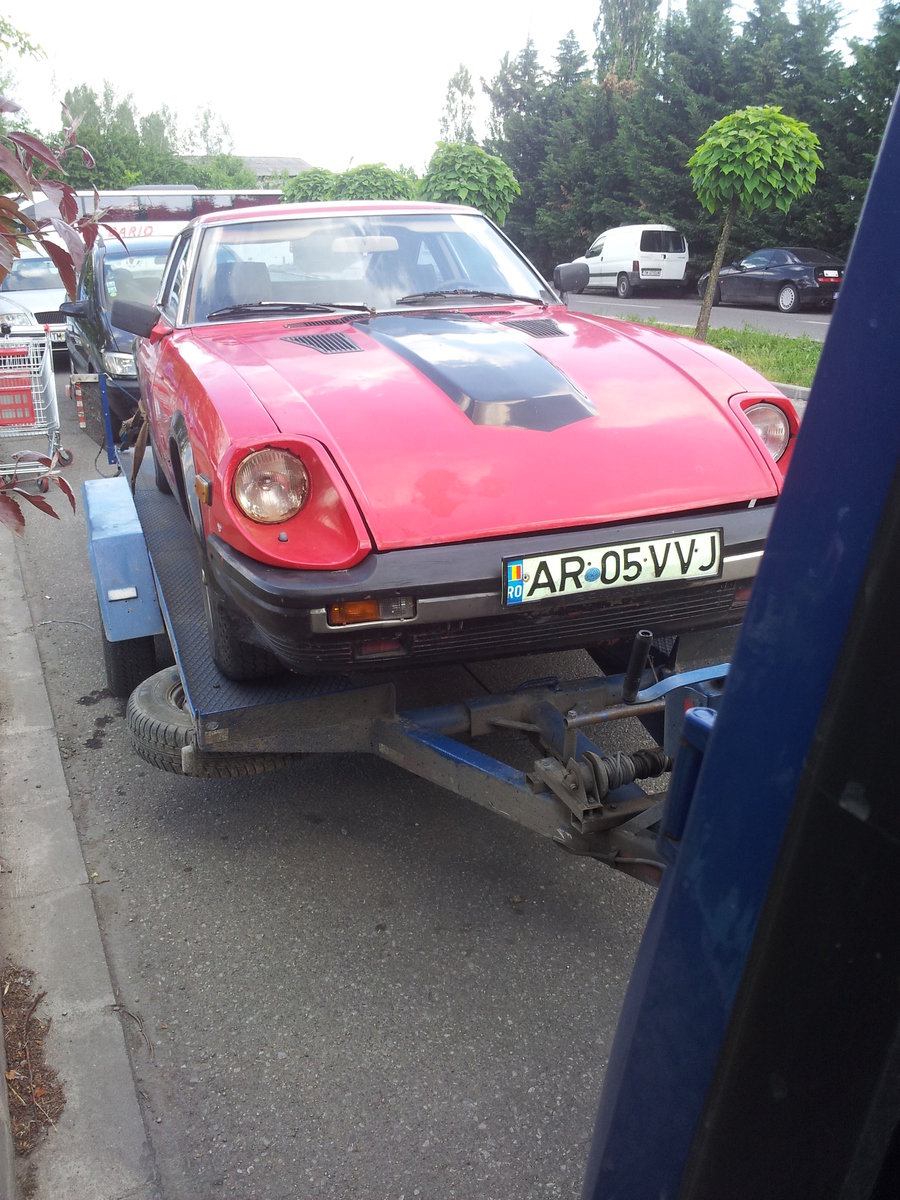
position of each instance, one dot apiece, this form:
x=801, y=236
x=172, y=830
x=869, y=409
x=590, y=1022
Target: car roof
x=809, y=252
x=315, y=208
x=630, y=228
x=801, y=252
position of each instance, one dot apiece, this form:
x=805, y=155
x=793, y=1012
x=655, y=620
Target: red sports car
x=397, y=446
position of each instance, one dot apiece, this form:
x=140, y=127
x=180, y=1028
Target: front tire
x=237, y=659
x=623, y=287
x=162, y=484
x=160, y=727
x=788, y=298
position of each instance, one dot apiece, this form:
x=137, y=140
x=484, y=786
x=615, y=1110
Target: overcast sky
x=337, y=84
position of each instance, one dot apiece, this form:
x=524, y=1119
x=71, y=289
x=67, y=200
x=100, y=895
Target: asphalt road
x=670, y=311
x=341, y=982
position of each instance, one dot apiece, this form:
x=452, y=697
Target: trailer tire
x=160, y=727
x=127, y=663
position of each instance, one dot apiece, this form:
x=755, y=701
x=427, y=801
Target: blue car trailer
x=147, y=574
x=758, y=1051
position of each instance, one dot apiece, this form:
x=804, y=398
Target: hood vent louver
x=325, y=343
x=538, y=327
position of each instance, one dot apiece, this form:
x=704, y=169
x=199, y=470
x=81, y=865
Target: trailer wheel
x=127, y=663
x=159, y=727
x=236, y=658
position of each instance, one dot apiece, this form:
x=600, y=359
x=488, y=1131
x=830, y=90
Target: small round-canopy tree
x=461, y=173
x=315, y=184
x=373, y=181
x=756, y=158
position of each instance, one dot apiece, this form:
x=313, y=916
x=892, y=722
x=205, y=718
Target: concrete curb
x=7, y=1149
x=793, y=392
x=99, y=1149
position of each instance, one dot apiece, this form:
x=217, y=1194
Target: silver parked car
x=34, y=283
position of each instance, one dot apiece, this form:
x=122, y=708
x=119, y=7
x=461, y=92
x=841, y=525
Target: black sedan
x=790, y=277
x=112, y=271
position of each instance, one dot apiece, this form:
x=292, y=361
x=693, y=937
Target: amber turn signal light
x=355, y=612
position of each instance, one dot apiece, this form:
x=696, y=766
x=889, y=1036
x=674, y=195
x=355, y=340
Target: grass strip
x=778, y=358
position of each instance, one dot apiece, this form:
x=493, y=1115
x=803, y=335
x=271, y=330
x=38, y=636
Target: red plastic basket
x=16, y=400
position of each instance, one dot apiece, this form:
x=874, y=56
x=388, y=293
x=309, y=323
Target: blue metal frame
x=695, y=950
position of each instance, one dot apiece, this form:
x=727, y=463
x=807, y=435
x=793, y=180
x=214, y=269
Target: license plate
x=624, y=564
x=831, y=274
x=651, y=271
x=58, y=337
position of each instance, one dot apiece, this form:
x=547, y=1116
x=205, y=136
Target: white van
x=633, y=256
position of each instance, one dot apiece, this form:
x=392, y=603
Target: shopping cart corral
x=30, y=450
x=545, y=765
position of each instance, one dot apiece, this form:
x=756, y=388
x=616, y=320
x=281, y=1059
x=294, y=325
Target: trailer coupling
x=587, y=800
x=584, y=786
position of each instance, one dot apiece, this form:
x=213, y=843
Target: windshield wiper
x=418, y=297
x=288, y=306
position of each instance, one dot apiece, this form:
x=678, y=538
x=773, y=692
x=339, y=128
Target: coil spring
x=610, y=771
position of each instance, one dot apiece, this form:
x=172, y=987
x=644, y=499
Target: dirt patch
x=36, y=1096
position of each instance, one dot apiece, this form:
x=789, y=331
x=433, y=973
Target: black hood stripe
x=491, y=375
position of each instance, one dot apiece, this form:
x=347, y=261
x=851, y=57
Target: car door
x=159, y=387
x=77, y=328
x=784, y=266
x=95, y=326
x=594, y=258
x=751, y=284
x=652, y=256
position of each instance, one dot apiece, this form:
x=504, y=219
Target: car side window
x=762, y=258
x=780, y=259
x=85, y=279
x=176, y=280
x=596, y=249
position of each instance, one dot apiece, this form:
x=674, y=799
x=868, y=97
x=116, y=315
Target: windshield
x=135, y=274
x=369, y=261
x=32, y=275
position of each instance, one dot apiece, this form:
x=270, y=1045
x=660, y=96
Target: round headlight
x=772, y=426
x=271, y=486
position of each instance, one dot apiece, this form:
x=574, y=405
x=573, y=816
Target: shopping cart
x=30, y=449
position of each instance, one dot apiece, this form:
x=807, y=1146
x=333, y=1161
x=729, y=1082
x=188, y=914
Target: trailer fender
x=123, y=576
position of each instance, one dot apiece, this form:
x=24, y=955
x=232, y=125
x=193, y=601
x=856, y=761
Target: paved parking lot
x=335, y=981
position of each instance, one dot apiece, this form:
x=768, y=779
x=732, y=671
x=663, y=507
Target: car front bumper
x=459, y=614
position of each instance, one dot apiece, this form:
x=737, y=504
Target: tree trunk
x=706, y=305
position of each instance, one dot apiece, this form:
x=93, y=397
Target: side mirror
x=571, y=277
x=135, y=318
x=75, y=308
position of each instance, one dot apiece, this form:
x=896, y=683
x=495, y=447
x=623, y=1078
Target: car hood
x=450, y=427
x=39, y=299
